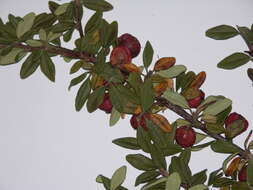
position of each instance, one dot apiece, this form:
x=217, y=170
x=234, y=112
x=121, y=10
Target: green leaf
x=175, y=98
x=173, y=71
x=173, y=182
x=180, y=166
x=47, y=66
x=199, y=187
x=213, y=176
x=225, y=147
x=148, y=54
x=147, y=95
x=157, y=156
x=201, y=146
x=247, y=35
x=52, y=36
x=223, y=182
x=118, y=177
x=143, y=139
x=97, y=5
x=127, y=142
x=25, y=25
x=221, y=32
x=146, y=177
x=111, y=34
x=75, y=67
x=82, y=94
x=68, y=35
x=114, y=117
x=240, y=186
x=250, y=172
x=250, y=73
x=251, y=145
x=43, y=35
x=140, y=162
x=200, y=137
x=34, y=43
x=10, y=58
x=77, y=80
x=233, y=61
x=158, y=181
x=30, y=65
x=94, y=22
x=199, y=178
x=218, y=106
x=95, y=99
x=61, y=9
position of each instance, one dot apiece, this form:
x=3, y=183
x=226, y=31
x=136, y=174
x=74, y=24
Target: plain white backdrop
x=45, y=144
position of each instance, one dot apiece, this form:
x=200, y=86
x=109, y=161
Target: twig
x=78, y=18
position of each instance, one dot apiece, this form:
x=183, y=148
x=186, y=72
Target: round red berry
x=120, y=55
x=185, y=136
x=130, y=42
x=106, y=104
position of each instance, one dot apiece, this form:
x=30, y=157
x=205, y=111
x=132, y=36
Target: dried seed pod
x=160, y=88
x=233, y=166
x=170, y=83
x=199, y=80
x=130, y=67
x=164, y=63
x=161, y=121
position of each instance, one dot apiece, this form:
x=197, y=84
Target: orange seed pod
x=130, y=67
x=164, y=63
x=161, y=121
x=199, y=80
x=232, y=166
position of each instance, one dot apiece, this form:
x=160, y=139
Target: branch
x=181, y=112
x=57, y=50
x=78, y=18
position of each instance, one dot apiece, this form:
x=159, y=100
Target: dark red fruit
x=185, y=136
x=120, y=55
x=242, y=175
x=195, y=102
x=106, y=104
x=233, y=117
x=130, y=42
x=137, y=120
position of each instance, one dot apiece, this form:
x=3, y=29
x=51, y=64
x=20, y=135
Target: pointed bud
x=235, y=125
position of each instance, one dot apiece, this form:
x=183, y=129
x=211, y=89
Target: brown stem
x=78, y=18
x=181, y=112
x=56, y=50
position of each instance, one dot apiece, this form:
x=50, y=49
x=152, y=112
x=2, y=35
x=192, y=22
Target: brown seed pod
x=160, y=88
x=199, y=80
x=161, y=121
x=233, y=166
x=164, y=63
x=163, y=86
x=130, y=67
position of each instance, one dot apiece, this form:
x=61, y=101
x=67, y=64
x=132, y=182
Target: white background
x=46, y=145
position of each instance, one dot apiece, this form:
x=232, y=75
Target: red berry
x=242, y=175
x=137, y=121
x=106, y=104
x=120, y=55
x=234, y=117
x=185, y=136
x=130, y=42
x=195, y=102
